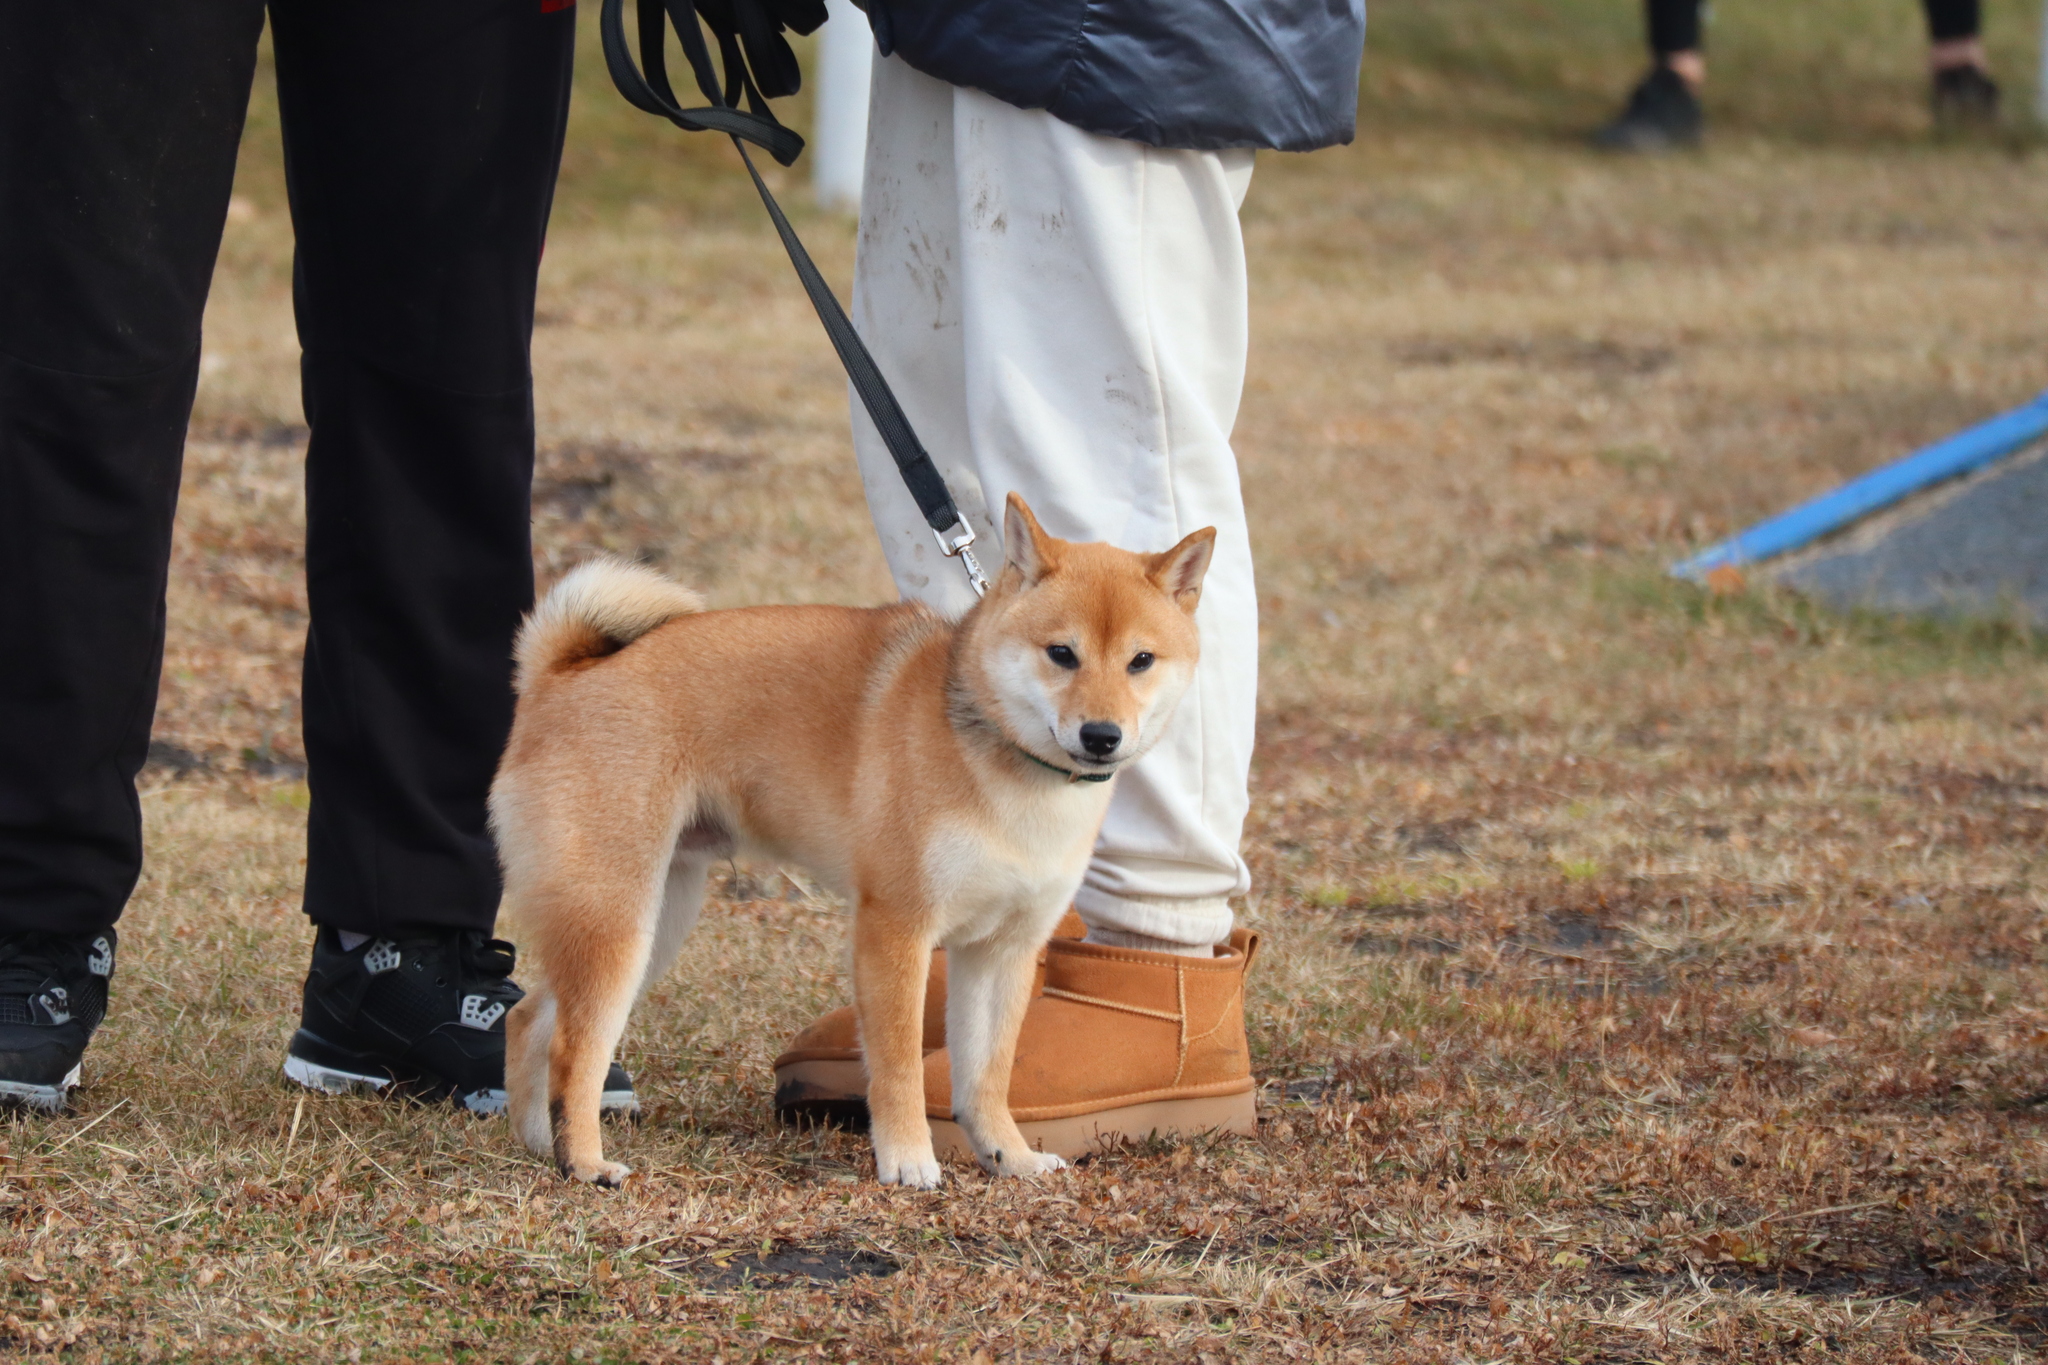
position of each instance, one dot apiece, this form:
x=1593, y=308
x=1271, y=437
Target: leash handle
x=652, y=93
x=647, y=87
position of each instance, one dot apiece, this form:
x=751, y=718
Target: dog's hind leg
x=593, y=978
x=529, y=1029
x=988, y=987
x=682, y=897
x=592, y=925
x=529, y=857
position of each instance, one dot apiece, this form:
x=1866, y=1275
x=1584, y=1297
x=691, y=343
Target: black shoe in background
x=53, y=994
x=1662, y=114
x=1964, y=97
x=423, y=1015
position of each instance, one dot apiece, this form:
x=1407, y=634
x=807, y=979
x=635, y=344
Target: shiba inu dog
x=948, y=779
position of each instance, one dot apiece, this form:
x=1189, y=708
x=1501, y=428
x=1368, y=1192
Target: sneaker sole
x=48, y=1098
x=822, y=1093
x=330, y=1080
x=1085, y=1134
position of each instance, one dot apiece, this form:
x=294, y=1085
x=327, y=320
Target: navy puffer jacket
x=1168, y=73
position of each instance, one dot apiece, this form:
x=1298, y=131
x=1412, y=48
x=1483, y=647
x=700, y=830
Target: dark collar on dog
x=1067, y=773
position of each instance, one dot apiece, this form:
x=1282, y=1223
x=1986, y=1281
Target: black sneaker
x=1662, y=114
x=1964, y=97
x=423, y=1015
x=53, y=994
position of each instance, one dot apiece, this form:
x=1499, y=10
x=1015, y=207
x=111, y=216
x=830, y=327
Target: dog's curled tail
x=599, y=607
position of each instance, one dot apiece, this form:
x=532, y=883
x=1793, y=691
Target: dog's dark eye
x=1141, y=661
x=1062, y=656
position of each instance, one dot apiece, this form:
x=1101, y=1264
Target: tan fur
x=882, y=749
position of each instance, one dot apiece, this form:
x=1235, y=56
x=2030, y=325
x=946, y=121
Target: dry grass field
x=1652, y=976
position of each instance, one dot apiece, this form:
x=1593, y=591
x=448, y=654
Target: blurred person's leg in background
x=1962, y=93
x=1663, y=111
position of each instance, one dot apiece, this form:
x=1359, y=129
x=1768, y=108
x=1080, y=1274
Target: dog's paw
x=918, y=1172
x=606, y=1175
x=1021, y=1162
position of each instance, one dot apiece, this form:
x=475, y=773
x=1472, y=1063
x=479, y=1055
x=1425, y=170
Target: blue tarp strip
x=1945, y=459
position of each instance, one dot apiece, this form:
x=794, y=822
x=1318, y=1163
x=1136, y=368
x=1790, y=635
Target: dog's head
x=1081, y=651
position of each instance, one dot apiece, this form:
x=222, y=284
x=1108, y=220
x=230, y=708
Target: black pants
x=421, y=143
x=1675, y=24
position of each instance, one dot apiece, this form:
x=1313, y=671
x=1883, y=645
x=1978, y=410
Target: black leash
x=745, y=24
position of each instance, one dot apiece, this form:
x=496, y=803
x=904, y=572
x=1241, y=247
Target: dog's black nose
x=1101, y=737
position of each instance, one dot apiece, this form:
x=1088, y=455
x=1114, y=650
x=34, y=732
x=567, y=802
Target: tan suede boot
x=821, y=1078
x=1122, y=1044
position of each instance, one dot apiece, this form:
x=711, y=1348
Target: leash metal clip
x=954, y=540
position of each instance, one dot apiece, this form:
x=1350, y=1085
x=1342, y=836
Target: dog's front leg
x=889, y=969
x=988, y=990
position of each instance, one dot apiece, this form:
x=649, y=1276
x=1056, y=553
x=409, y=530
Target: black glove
x=757, y=26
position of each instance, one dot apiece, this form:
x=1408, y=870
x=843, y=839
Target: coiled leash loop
x=758, y=66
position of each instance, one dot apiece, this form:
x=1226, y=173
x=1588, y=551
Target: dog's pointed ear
x=1026, y=546
x=1178, y=571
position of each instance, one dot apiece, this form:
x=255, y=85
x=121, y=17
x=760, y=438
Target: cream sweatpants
x=1063, y=314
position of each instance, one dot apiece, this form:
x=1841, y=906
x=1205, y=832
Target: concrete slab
x=1977, y=547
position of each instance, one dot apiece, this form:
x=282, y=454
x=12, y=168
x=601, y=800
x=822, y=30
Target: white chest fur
x=1020, y=867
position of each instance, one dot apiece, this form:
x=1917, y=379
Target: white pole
x=2041, y=79
x=839, y=141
